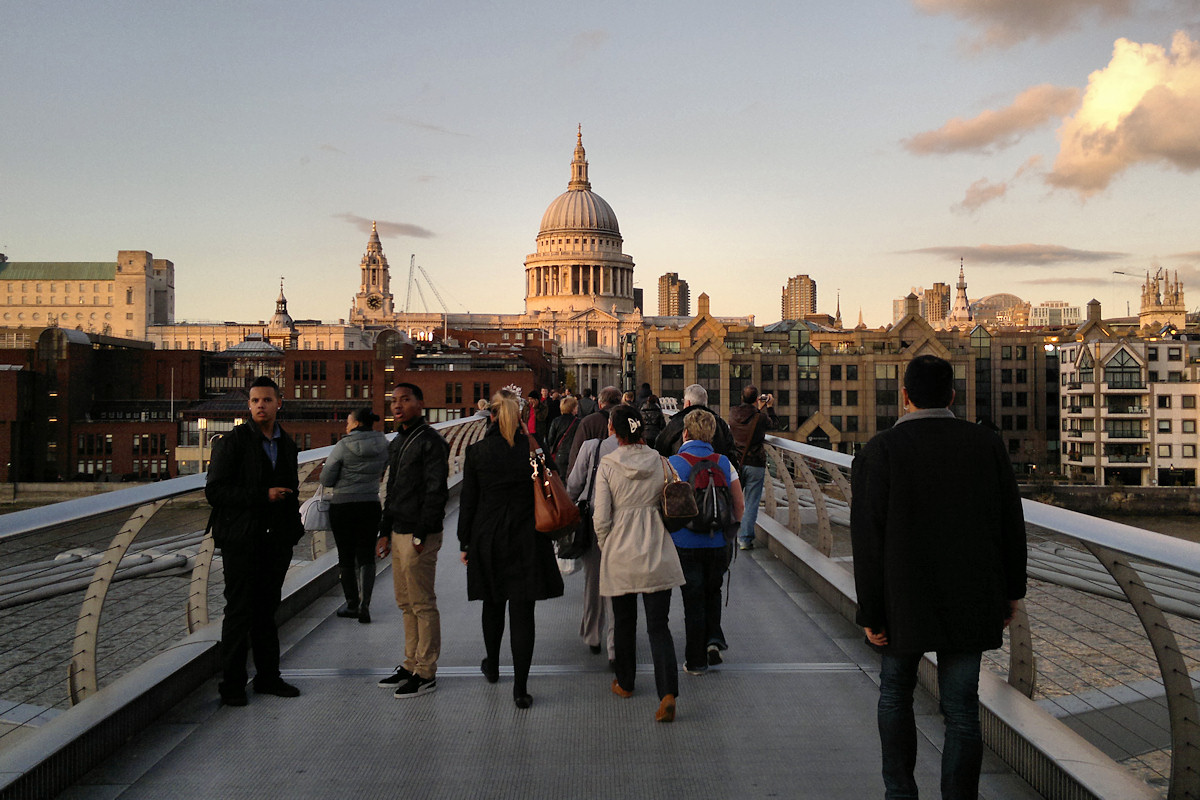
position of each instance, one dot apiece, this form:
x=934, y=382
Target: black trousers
x=253, y=582
x=355, y=531
x=704, y=569
x=520, y=636
x=662, y=646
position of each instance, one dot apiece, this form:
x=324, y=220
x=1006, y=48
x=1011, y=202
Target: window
x=1188, y=450
x=1152, y=354
x=1164, y=451
x=835, y=372
x=668, y=347
x=851, y=424
x=1187, y=426
x=851, y=397
x=1164, y=401
x=835, y=398
x=1006, y=422
x=1006, y=376
x=1022, y=399
x=1174, y=377
x=1022, y=376
x=1006, y=352
x=1164, y=426
x=851, y=372
x=783, y=372
x=1006, y=399
x=783, y=397
x=768, y=372
x=1122, y=371
x=1174, y=354
x=1189, y=401
x=1022, y=352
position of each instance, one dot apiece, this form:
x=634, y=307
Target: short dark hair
x=929, y=381
x=413, y=389
x=749, y=393
x=627, y=423
x=263, y=380
x=365, y=417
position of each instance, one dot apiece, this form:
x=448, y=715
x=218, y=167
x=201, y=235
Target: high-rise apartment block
x=673, y=296
x=799, y=298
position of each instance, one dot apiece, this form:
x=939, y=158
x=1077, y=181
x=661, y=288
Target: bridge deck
x=790, y=713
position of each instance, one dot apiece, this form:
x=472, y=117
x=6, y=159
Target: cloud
x=980, y=192
x=427, y=126
x=1192, y=256
x=1144, y=107
x=1088, y=281
x=331, y=149
x=587, y=42
x=387, y=228
x=1007, y=22
x=995, y=130
x=984, y=191
x=1018, y=254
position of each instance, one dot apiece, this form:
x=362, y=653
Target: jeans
x=962, y=754
x=752, y=490
x=662, y=647
x=703, y=569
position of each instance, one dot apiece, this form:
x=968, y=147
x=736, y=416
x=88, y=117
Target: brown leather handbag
x=553, y=512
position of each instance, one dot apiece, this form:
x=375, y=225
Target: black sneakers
x=714, y=655
x=414, y=686
x=396, y=678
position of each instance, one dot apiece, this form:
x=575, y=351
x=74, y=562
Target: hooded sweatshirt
x=355, y=466
x=637, y=554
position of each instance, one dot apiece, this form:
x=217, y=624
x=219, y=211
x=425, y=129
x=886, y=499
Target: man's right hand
x=277, y=493
x=383, y=547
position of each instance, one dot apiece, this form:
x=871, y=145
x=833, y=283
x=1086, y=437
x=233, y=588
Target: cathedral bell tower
x=373, y=303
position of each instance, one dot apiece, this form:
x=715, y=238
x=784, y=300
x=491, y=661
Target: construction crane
x=413, y=280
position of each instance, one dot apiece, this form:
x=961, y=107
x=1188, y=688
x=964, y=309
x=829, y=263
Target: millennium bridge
x=109, y=624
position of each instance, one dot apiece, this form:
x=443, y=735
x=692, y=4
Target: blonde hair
x=700, y=425
x=507, y=412
x=568, y=405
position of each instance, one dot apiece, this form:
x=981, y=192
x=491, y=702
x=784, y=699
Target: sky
x=870, y=144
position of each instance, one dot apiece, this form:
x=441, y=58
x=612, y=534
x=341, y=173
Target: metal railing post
x=81, y=677
x=789, y=486
x=824, y=532
x=1181, y=700
x=1022, y=665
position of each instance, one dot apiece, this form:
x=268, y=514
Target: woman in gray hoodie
x=354, y=470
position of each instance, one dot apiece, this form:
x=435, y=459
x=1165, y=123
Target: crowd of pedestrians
x=924, y=582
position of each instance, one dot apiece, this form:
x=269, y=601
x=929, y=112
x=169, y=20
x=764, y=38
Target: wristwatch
x=416, y=541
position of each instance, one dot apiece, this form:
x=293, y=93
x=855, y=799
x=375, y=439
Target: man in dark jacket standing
x=594, y=425
x=695, y=397
x=939, y=565
x=411, y=530
x=749, y=424
x=251, y=485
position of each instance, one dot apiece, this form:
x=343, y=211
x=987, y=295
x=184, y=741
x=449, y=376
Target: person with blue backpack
x=706, y=543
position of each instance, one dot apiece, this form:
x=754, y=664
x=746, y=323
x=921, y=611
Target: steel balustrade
x=1152, y=573
x=37, y=572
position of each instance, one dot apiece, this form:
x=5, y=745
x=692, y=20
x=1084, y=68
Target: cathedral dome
x=579, y=208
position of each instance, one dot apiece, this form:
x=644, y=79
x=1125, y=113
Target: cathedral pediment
x=593, y=315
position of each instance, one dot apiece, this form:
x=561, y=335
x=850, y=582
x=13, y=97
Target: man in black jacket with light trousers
x=251, y=485
x=939, y=566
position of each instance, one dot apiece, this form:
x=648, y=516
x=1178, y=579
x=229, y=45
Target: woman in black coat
x=508, y=561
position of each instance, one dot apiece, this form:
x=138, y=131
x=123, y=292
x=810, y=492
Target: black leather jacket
x=239, y=479
x=418, y=465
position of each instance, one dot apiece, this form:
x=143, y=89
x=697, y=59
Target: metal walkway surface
x=791, y=713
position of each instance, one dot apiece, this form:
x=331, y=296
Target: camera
x=762, y=398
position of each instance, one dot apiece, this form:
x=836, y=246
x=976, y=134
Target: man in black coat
x=594, y=425
x=695, y=398
x=939, y=565
x=251, y=485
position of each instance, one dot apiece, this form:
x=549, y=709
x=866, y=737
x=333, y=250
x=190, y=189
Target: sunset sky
x=870, y=144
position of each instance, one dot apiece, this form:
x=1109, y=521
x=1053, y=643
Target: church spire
x=837, y=320
x=579, y=165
